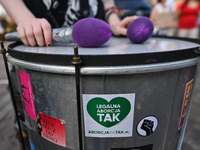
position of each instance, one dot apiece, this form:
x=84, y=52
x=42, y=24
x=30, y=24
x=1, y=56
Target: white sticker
x=147, y=126
x=108, y=115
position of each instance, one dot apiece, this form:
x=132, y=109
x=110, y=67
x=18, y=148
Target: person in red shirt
x=188, y=12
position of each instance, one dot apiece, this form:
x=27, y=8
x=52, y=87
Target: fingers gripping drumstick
x=88, y=32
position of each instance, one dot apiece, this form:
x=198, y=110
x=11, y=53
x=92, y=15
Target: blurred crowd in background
x=170, y=17
x=176, y=17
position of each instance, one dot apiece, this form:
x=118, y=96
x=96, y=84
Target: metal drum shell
x=162, y=83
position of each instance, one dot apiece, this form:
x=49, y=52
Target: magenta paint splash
x=140, y=30
x=27, y=94
x=91, y=32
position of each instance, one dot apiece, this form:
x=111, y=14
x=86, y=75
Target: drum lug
x=197, y=51
x=3, y=50
x=76, y=59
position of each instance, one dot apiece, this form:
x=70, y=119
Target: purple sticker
x=27, y=94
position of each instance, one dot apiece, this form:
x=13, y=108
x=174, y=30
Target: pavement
x=9, y=140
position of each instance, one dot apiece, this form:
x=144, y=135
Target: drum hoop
x=109, y=60
x=110, y=70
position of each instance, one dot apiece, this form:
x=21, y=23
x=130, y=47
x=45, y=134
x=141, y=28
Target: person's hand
x=121, y=27
x=35, y=32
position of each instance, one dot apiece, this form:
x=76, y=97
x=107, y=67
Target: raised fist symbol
x=147, y=126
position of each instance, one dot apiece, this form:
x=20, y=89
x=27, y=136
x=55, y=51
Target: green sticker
x=109, y=113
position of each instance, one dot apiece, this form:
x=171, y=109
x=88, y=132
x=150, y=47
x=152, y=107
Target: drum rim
x=104, y=70
x=109, y=60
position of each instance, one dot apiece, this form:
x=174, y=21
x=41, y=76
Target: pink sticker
x=27, y=94
x=53, y=129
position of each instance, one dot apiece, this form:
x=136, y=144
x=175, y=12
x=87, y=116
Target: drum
x=133, y=96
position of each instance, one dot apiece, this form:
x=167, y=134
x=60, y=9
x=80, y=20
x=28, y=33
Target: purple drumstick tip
x=140, y=30
x=91, y=32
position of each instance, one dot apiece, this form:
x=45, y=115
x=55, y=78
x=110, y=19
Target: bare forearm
x=108, y=3
x=32, y=31
x=17, y=10
x=113, y=18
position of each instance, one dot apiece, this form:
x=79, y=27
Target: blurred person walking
x=187, y=14
x=163, y=17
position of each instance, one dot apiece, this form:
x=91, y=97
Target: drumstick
x=88, y=32
x=140, y=30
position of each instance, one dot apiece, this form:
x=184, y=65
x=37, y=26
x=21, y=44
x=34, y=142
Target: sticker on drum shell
x=145, y=147
x=147, y=126
x=108, y=115
x=52, y=129
x=186, y=97
x=28, y=100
